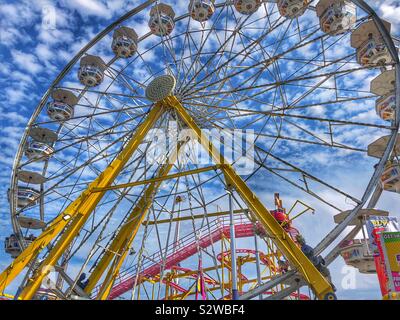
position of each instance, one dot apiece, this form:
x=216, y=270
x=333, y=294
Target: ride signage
x=391, y=249
x=375, y=226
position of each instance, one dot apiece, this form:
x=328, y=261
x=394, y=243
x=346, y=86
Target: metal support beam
x=158, y=179
x=78, y=290
x=196, y=216
x=235, y=293
x=286, y=292
x=119, y=247
x=274, y=230
x=258, y=268
x=267, y=286
x=75, y=216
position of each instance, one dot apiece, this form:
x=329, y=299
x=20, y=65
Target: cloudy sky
x=32, y=54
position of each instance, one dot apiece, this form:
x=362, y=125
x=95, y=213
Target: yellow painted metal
x=118, y=249
x=392, y=296
x=158, y=179
x=274, y=230
x=76, y=213
x=8, y=296
x=308, y=208
x=196, y=216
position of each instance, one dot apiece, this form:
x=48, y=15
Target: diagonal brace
x=74, y=216
x=282, y=240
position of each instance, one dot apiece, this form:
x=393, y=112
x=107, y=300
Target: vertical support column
x=257, y=260
x=362, y=221
x=235, y=293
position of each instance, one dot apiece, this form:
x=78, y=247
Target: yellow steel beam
x=274, y=230
x=196, y=216
x=157, y=179
x=118, y=249
x=302, y=203
x=76, y=214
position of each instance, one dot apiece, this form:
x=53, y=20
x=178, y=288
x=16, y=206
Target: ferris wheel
x=104, y=206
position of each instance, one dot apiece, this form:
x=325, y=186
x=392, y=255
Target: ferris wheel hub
x=160, y=88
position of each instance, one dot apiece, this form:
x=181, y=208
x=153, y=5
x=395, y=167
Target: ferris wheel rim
x=360, y=3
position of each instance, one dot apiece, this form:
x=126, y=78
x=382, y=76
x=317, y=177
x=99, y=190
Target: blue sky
x=31, y=56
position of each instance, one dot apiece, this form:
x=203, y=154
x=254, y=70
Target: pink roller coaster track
x=183, y=249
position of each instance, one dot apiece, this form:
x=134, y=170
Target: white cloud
x=26, y=62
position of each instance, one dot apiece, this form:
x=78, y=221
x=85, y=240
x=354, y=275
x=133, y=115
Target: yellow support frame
x=74, y=216
x=118, y=249
x=196, y=216
x=282, y=240
x=77, y=213
x=157, y=179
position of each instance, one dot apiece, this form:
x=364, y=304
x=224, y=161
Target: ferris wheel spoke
x=331, y=122
x=210, y=59
x=99, y=114
x=65, y=175
x=81, y=139
x=239, y=88
x=191, y=90
x=91, y=117
x=309, y=177
x=228, y=107
x=271, y=86
x=263, y=62
x=199, y=52
x=101, y=92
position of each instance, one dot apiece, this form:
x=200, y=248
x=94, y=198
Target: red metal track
x=242, y=230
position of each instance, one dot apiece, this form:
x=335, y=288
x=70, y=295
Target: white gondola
x=386, y=107
x=377, y=148
x=44, y=135
x=292, y=8
x=38, y=151
x=384, y=86
x=59, y=111
x=30, y=177
x=370, y=45
x=45, y=294
x=161, y=21
x=91, y=71
x=125, y=42
x=356, y=254
x=390, y=179
x=201, y=10
x=373, y=52
x=361, y=217
x=62, y=107
x=12, y=247
x=30, y=223
x=247, y=6
x=336, y=17
x=26, y=197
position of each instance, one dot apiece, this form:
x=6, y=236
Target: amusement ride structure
x=109, y=201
